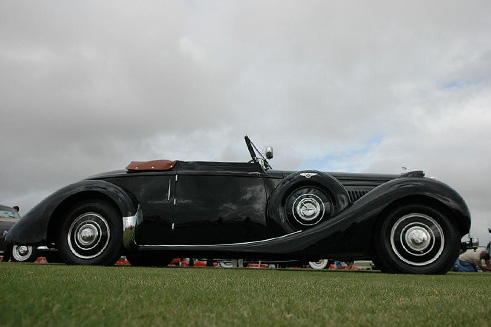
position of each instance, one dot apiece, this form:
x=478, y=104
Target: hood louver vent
x=356, y=193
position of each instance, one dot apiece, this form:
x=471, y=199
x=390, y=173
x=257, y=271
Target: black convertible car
x=154, y=211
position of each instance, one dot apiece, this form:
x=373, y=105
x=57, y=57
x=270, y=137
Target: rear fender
x=38, y=226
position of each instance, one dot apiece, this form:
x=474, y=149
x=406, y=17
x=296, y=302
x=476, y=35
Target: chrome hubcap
x=88, y=235
x=307, y=206
x=22, y=250
x=308, y=209
x=417, y=239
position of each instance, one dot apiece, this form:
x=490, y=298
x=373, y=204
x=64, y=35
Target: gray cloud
x=87, y=87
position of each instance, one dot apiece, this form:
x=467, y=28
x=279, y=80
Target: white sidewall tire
x=417, y=239
x=91, y=234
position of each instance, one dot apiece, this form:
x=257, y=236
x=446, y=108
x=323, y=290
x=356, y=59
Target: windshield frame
x=254, y=152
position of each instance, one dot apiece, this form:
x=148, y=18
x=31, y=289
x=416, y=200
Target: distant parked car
x=8, y=218
x=20, y=253
x=155, y=211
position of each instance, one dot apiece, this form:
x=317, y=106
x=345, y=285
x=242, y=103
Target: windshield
x=9, y=213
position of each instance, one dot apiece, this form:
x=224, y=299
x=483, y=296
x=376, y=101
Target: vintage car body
x=157, y=210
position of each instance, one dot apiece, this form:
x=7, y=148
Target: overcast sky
x=357, y=86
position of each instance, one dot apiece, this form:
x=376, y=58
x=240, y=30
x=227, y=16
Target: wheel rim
x=88, y=235
x=307, y=206
x=225, y=264
x=321, y=264
x=21, y=252
x=417, y=239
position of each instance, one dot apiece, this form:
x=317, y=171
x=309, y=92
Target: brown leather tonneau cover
x=151, y=165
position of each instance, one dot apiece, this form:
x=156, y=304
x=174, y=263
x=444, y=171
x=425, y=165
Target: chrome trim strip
x=129, y=224
x=213, y=245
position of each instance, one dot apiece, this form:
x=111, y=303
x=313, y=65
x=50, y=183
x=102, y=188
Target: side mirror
x=269, y=152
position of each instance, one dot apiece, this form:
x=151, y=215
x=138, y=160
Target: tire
x=24, y=253
x=91, y=234
x=417, y=239
x=148, y=259
x=318, y=265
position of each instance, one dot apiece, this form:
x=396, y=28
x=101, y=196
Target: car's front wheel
x=417, y=239
x=91, y=234
x=24, y=253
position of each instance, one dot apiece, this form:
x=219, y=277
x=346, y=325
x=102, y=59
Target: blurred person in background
x=473, y=260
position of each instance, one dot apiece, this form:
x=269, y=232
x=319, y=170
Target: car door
x=155, y=193
x=219, y=208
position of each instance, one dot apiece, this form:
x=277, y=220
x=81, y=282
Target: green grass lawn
x=59, y=295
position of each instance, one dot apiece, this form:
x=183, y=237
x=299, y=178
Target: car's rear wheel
x=24, y=253
x=91, y=234
x=417, y=239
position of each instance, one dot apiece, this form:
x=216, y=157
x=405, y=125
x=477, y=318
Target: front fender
x=358, y=222
x=32, y=229
x=408, y=188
